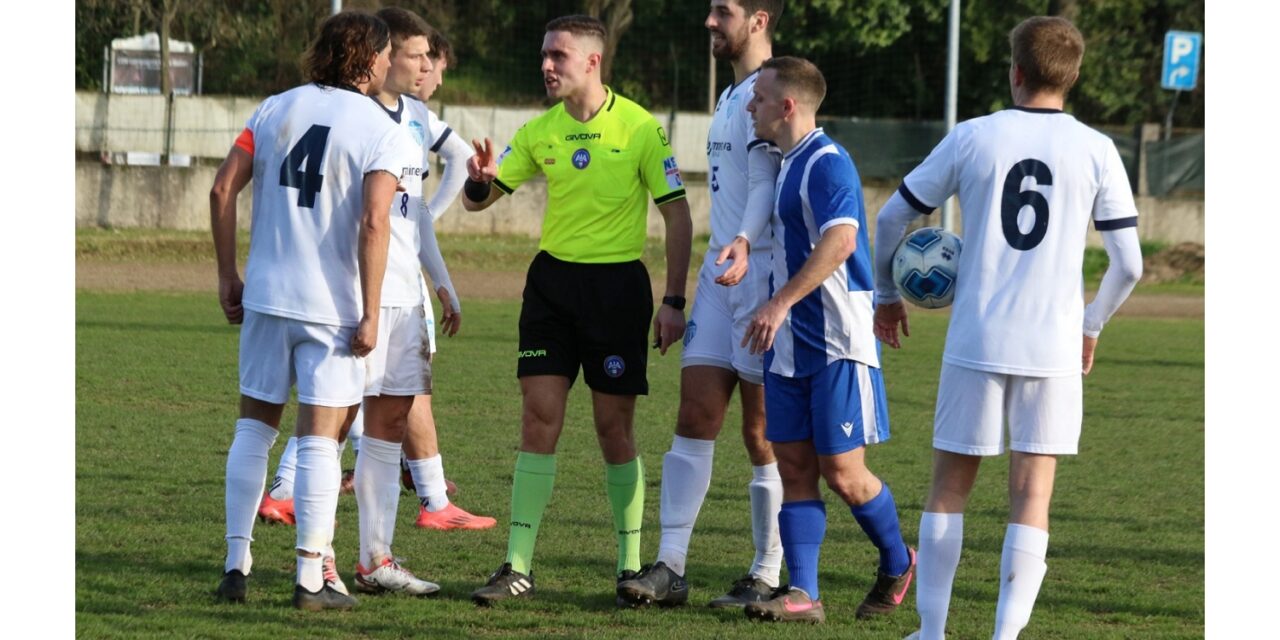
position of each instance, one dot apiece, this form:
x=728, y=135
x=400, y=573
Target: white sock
x=941, y=537
x=766, y=501
x=428, y=479
x=1022, y=569
x=378, y=496
x=282, y=486
x=686, y=475
x=311, y=573
x=246, y=477
x=315, y=502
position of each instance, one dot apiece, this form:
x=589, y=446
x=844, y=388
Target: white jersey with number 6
x=1029, y=182
x=312, y=147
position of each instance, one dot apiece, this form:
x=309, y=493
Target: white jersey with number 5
x=1029, y=182
x=312, y=147
x=731, y=137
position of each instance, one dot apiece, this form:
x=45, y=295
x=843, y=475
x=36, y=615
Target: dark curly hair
x=341, y=53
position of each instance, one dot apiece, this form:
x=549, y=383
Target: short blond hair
x=799, y=79
x=1049, y=51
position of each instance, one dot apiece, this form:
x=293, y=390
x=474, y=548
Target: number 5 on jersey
x=309, y=150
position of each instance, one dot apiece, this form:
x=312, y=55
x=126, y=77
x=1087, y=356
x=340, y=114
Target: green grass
x=156, y=402
x=464, y=252
x=472, y=252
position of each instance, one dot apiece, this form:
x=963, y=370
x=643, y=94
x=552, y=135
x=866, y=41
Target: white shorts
x=713, y=335
x=1043, y=414
x=400, y=364
x=277, y=352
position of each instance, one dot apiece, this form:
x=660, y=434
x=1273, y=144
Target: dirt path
x=471, y=285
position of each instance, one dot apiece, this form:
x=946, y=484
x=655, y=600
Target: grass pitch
x=156, y=401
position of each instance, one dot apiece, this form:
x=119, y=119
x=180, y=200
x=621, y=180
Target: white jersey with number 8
x=1029, y=182
x=312, y=147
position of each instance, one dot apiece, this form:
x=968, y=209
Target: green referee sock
x=530, y=491
x=626, y=498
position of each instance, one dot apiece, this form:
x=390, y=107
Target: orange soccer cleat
x=276, y=511
x=451, y=517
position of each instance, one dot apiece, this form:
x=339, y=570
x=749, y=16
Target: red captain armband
x=245, y=140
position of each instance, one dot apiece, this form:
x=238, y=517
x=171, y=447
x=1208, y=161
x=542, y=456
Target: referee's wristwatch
x=675, y=302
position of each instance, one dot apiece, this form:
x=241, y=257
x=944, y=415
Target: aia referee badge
x=581, y=158
x=614, y=366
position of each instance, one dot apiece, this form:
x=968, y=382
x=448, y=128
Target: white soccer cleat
x=390, y=576
x=332, y=578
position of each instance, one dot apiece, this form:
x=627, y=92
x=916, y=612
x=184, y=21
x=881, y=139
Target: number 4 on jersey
x=309, y=150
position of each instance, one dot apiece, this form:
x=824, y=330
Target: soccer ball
x=925, y=267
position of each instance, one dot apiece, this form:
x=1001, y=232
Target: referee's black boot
x=503, y=583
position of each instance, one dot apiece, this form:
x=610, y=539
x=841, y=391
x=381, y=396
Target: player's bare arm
x=738, y=253
x=835, y=246
x=482, y=169
x=236, y=172
x=375, y=238
x=668, y=323
x=889, y=316
x=450, y=319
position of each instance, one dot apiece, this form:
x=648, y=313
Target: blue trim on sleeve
x=914, y=201
x=1113, y=225
x=435, y=148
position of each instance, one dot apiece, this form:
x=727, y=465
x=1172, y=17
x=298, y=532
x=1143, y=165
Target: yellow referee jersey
x=598, y=173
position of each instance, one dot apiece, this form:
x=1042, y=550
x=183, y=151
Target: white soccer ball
x=925, y=265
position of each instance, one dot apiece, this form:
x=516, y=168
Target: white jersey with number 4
x=731, y=137
x=312, y=147
x=1029, y=183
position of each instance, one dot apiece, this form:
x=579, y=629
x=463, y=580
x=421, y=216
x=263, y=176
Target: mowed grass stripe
x=156, y=400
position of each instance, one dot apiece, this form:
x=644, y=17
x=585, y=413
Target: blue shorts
x=840, y=408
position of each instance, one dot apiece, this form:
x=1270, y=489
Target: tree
x=617, y=18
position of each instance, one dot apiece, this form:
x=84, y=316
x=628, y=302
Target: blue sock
x=879, y=518
x=802, y=526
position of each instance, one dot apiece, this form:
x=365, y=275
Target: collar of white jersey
x=804, y=142
x=734, y=87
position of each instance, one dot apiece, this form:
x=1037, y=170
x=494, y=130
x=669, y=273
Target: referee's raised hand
x=483, y=166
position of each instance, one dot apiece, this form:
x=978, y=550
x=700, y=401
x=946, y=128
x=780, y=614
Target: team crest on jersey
x=581, y=158
x=674, y=180
x=690, y=329
x=418, y=131
x=614, y=366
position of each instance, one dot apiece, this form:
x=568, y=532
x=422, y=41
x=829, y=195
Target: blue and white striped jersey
x=818, y=188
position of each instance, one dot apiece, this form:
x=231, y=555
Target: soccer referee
x=587, y=298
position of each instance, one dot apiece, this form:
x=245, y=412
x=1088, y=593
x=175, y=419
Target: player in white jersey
x=1030, y=179
x=399, y=369
x=824, y=389
x=423, y=466
x=742, y=173
x=325, y=163
x=421, y=448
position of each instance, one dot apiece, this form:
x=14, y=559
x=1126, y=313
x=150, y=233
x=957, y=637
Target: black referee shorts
x=593, y=316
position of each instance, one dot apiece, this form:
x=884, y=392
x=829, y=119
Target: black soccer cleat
x=234, y=586
x=655, y=584
x=326, y=598
x=745, y=590
x=888, y=591
x=503, y=583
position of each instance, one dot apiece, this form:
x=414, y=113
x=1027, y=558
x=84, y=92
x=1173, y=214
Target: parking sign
x=1181, y=60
